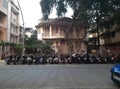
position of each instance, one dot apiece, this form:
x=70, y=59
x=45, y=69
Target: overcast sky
x=32, y=12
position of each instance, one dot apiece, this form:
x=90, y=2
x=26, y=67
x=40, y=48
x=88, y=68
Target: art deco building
x=65, y=39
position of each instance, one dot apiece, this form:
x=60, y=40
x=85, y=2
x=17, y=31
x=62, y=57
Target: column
x=50, y=31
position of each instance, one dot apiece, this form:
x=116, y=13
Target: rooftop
x=57, y=21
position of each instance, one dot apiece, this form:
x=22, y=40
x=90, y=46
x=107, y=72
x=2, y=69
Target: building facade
x=63, y=41
x=110, y=39
x=29, y=32
x=3, y=19
x=10, y=30
x=21, y=34
x=3, y=24
x=13, y=23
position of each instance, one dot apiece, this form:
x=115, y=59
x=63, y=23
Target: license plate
x=116, y=77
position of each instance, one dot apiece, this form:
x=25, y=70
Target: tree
x=2, y=49
x=32, y=45
x=35, y=46
x=15, y=48
x=91, y=12
x=86, y=10
x=99, y=11
x=61, y=7
x=46, y=47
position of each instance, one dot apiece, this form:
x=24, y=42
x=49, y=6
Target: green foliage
x=47, y=6
x=17, y=48
x=92, y=12
x=31, y=45
x=12, y=44
x=61, y=8
x=46, y=48
x=2, y=43
x=34, y=46
x=85, y=10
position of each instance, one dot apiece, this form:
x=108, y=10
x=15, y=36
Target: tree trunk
x=71, y=26
x=98, y=30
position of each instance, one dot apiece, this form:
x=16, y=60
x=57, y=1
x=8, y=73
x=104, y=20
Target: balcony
x=3, y=10
x=3, y=20
x=14, y=32
x=14, y=23
x=112, y=40
x=53, y=37
x=58, y=36
x=117, y=39
x=3, y=26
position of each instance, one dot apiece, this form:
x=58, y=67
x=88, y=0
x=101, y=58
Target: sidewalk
x=2, y=62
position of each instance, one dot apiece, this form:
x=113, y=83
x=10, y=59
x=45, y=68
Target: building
x=3, y=19
x=92, y=44
x=29, y=32
x=55, y=31
x=10, y=31
x=3, y=23
x=13, y=23
x=21, y=34
x=110, y=37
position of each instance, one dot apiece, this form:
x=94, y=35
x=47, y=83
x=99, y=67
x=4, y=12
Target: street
x=68, y=76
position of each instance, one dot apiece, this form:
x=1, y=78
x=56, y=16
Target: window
x=5, y=4
x=39, y=32
x=56, y=43
x=113, y=34
x=62, y=41
x=56, y=29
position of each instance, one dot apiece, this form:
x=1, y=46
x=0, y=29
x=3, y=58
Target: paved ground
x=83, y=76
x=2, y=62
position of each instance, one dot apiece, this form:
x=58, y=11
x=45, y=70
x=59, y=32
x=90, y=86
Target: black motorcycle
x=8, y=60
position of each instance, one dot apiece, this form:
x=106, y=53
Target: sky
x=32, y=12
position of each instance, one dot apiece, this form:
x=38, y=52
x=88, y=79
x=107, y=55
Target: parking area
x=63, y=76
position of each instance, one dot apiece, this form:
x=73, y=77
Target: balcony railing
x=59, y=37
x=3, y=26
x=53, y=37
x=4, y=11
x=14, y=23
x=112, y=40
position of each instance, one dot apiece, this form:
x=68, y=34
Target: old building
x=65, y=39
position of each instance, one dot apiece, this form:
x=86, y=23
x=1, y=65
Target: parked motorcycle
x=29, y=60
x=8, y=60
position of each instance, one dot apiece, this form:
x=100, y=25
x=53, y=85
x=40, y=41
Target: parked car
x=115, y=74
